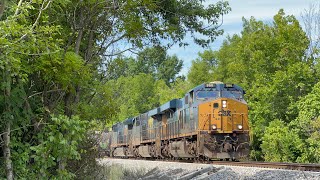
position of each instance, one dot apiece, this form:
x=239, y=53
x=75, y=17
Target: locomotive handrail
x=232, y=122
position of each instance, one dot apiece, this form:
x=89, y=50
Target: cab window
x=235, y=94
x=206, y=94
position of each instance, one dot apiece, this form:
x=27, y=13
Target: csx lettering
x=225, y=113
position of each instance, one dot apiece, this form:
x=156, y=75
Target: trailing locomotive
x=209, y=122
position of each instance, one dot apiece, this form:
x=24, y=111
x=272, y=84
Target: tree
x=202, y=68
x=118, y=67
x=262, y=49
x=94, y=29
x=311, y=20
x=155, y=61
x=62, y=131
x=133, y=95
x=176, y=90
x=22, y=41
x=306, y=125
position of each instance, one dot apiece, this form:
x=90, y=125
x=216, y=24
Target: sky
x=232, y=22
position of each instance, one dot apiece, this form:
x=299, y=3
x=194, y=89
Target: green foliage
x=261, y=50
x=306, y=125
x=100, y=107
x=154, y=61
x=71, y=69
x=133, y=95
x=175, y=91
x=313, y=143
x=56, y=141
x=21, y=157
x=279, y=144
x=202, y=68
x=170, y=20
x=59, y=141
x=121, y=66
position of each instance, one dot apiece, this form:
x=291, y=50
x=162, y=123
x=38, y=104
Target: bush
x=279, y=144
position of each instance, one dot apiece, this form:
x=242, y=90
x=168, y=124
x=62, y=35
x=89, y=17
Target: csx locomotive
x=209, y=122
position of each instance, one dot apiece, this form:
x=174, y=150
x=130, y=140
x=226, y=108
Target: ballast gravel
x=177, y=170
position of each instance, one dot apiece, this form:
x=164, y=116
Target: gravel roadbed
x=178, y=170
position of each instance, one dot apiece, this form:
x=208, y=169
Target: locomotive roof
x=168, y=105
x=218, y=85
x=128, y=121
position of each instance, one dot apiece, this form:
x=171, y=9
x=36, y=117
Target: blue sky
x=232, y=22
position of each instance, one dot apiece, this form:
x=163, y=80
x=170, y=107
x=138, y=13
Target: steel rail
x=273, y=165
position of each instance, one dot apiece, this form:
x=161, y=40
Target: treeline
x=63, y=74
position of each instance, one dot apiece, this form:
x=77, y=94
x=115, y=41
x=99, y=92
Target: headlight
x=240, y=126
x=224, y=104
x=214, y=127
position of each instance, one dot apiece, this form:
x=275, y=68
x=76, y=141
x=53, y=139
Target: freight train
x=209, y=122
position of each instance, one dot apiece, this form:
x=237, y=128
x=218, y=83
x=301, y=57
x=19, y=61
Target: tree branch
x=17, y=10
x=114, y=41
x=43, y=7
x=37, y=54
x=55, y=90
x=40, y=12
x=116, y=54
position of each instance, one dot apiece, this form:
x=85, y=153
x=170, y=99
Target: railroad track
x=274, y=165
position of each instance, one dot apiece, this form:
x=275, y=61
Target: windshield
x=207, y=94
x=235, y=94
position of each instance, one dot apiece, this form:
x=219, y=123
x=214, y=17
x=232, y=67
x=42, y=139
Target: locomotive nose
x=223, y=116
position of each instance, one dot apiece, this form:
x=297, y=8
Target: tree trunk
x=8, y=119
x=67, y=103
x=80, y=33
x=2, y=6
x=7, y=153
x=77, y=50
x=62, y=164
x=78, y=41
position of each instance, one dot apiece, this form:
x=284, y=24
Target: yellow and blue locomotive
x=209, y=122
